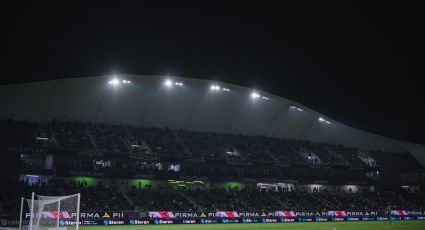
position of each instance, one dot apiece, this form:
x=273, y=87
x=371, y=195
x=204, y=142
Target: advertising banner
x=218, y=217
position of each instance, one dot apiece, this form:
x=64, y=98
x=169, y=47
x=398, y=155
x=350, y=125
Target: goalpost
x=50, y=212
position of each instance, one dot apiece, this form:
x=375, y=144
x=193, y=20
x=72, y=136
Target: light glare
x=321, y=119
x=168, y=83
x=255, y=95
x=114, y=81
x=215, y=87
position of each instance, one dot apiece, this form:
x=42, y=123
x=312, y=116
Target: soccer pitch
x=375, y=225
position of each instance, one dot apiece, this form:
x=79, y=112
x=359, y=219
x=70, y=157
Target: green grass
x=375, y=225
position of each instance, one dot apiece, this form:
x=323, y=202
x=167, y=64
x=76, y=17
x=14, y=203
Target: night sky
x=357, y=63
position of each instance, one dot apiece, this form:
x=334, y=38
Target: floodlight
x=265, y=98
x=255, y=95
x=114, y=81
x=215, y=87
x=321, y=119
x=168, y=83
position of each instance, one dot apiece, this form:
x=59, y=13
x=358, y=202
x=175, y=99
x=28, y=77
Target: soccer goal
x=50, y=212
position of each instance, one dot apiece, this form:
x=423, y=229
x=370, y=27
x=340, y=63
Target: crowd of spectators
x=23, y=136
x=109, y=138
x=112, y=197
x=146, y=145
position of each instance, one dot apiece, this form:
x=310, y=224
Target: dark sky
x=359, y=63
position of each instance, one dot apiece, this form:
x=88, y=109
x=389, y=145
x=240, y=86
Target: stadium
x=116, y=152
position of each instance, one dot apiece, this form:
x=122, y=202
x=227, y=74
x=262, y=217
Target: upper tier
x=191, y=106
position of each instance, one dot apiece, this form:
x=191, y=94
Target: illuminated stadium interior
x=165, y=148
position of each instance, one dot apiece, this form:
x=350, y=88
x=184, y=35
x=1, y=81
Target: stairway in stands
x=122, y=188
x=191, y=201
x=186, y=150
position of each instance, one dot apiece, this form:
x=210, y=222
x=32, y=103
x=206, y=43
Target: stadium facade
x=195, y=105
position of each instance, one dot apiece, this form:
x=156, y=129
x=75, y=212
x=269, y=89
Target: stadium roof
x=185, y=103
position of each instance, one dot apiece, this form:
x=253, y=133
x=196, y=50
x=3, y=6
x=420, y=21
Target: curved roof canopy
x=184, y=103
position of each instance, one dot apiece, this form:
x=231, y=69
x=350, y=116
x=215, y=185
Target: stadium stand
x=78, y=137
x=111, y=198
x=163, y=153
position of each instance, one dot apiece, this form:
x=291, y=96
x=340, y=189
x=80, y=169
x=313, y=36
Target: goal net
x=50, y=212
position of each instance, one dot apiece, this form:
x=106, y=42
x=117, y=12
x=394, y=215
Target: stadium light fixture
x=255, y=95
x=218, y=88
x=215, y=87
x=168, y=83
x=296, y=108
x=321, y=119
x=114, y=82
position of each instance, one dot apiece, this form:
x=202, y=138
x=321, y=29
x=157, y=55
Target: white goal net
x=50, y=212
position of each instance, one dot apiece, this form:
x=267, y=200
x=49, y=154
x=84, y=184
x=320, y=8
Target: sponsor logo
x=321, y=219
x=208, y=221
x=248, y=220
x=353, y=218
x=163, y=221
x=138, y=222
x=90, y=222
x=188, y=221
x=304, y=214
x=268, y=220
x=305, y=219
x=113, y=222
x=225, y=221
x=251, y=214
